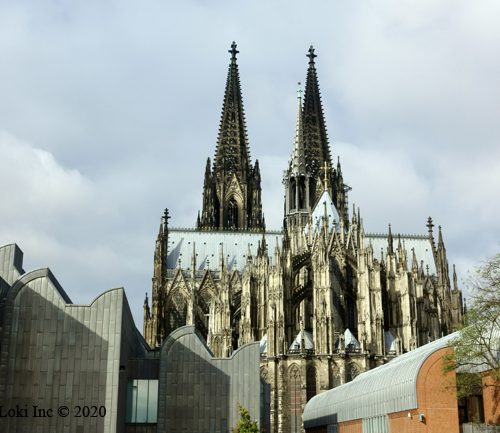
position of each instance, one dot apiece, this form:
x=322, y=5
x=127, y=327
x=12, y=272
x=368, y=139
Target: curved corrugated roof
x=389, y=388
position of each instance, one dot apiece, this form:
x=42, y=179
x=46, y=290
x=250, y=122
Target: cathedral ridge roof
x=236, y=244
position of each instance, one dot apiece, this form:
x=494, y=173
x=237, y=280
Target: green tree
x=245, y=424
x=477, y=348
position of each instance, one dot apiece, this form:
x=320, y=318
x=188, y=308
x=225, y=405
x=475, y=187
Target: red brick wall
x=491, y=400
x=436, y=395
x=435, y=398
x=355, y=426
x=400, y=422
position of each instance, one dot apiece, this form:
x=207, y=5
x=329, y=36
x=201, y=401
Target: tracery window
x=232, y=214
x=295, y=400
x=311, y=382
x=352, y=371
x=176, y=311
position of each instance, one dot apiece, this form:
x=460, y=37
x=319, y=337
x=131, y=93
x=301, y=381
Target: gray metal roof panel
x=420, y=244
x=209, y=245
x=235, y=244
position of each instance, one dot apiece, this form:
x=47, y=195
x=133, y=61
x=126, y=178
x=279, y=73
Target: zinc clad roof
x=419, y=243
x=209, y=245
x=386, y=389
x=235, y=244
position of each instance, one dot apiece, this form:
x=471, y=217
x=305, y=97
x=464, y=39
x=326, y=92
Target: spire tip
x=233, y=51
x=311, y=55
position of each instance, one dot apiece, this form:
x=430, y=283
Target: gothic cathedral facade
x=325, y=299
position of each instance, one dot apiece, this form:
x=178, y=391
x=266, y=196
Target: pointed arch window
x=352, y=371
x=232, y=214
x=295, y=399
x=176, y=311
x=311, y=377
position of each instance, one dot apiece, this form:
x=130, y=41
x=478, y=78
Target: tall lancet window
x=295, y=399
x=232, y=214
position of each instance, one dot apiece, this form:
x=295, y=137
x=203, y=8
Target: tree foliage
x=477, y=349
x=245, y=424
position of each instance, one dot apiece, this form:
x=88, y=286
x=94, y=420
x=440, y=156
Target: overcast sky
x=109, y=109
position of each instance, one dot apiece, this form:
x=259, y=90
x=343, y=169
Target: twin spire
x=311, y=172
x=232, y=152
x=314, y=127
x=232, y=191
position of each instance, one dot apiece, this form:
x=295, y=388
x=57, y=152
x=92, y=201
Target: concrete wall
x=200, y=393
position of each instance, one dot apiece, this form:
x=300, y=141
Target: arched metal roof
x=389, y=388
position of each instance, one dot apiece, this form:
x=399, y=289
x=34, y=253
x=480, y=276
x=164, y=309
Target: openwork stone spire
x=232, y=191
x=315, y=135
x=232, y=153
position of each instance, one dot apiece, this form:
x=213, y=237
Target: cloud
x=38, y=186
x=64, y=220
x=118, y=108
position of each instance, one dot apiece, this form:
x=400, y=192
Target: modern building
x=86, y=368
x=325, y=300
x=409, y=394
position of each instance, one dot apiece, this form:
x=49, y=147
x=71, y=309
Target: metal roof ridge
x=250, y=231
x=405, y=236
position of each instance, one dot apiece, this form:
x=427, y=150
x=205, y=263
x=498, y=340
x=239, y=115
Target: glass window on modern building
x=142, y=401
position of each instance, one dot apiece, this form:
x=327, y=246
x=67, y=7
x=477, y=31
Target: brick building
x=410, y=394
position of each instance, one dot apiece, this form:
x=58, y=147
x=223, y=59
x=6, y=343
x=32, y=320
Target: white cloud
x=37, y=187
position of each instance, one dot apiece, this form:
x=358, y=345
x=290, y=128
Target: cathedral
x=326, y=299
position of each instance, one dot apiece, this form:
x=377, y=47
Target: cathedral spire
x=315, y=135
x=232, y=151
x=232, y=190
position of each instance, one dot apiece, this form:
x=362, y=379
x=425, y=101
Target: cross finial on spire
x=311, y=54
x=299, y=90
x=233, y=51
x=430, y=225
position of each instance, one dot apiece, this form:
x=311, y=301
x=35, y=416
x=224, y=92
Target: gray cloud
x=109, y=110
